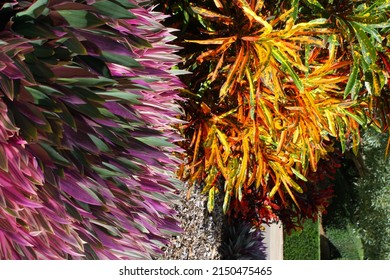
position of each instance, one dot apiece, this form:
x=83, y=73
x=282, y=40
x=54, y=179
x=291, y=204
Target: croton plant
x=277, y=89
x=87, y=148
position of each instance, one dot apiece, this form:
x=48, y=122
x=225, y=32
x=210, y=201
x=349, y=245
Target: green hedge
x=347, y=242
x=303, y=245
x=339, y=223
x=373, y=211
x=358, y=222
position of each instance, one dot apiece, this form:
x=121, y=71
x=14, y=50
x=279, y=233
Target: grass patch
x=304, y=244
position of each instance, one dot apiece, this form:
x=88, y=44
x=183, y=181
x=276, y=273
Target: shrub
x=86, y=145
x=274, y=85
x=373, y=207
x=346, y=242
x=303, y=244
x=242, y=242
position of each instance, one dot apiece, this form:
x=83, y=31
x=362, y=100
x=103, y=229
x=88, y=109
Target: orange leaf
x=227, y=86
x=196, y=149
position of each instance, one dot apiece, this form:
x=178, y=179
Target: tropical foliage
x=303, y=244
x=86, y=153
x=242, y=242
x=276, y=88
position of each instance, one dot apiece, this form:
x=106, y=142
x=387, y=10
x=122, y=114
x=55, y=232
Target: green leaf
x=33, y=30
x=352, y=81
x=370, y=20
x=372, y=31
x=131, y=97
x=113, y=168
x=34, y=11
x=226, y=202
x=40, y=69
x=75, y=46
x=126, y=4
x=54, y=155
x=88, y=82
x=138, y=42
x=73, y=211
x=111, y=230
x=40, y=98
x=141, y=228
x=113, y=10
x=155, y=141
x=105, y=173
x=362, y=122
x=129, y=164
x=49, y=91
x=298, y=174
x=80, y=18
x=67, y=116
x=111, y=136
x=90, y=192
x=27, y=128
x=283, y=61
x=368, y=49
x=99, y=143
x=43, y=52
x=124, y=60
x=96, y=64
x=295, y=6
x=314, y=4
x=341, y=128
x=8, y=86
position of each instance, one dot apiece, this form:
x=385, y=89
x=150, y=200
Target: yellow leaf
x=252, y=15
x=226, y=202
x=281, y=141
x=215, y=41
x=210, y=202
x=291, y=194
x=219, y=65
x=227, y=86
x=259, y=171
x=244, y=163
x=218, y=4
x=288, y=180
x=221, y=166
x=239, y=193
x=251, y=93
x=312, y=157
x=252, y=175
x=223, y=140
x=276, y=186
x=210, y=14
x=296, y=135
x=210, y=136
x=209, y=160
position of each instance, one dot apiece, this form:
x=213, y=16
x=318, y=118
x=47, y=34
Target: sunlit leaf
x=283, y=61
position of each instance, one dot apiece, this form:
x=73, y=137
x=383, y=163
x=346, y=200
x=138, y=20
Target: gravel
x=202, y=234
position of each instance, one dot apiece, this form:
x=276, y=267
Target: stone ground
x=202, y=230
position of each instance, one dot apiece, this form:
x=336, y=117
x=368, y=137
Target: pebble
x=202, y=234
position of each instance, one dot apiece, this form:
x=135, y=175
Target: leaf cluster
x=274, y=87
x=87, y=162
